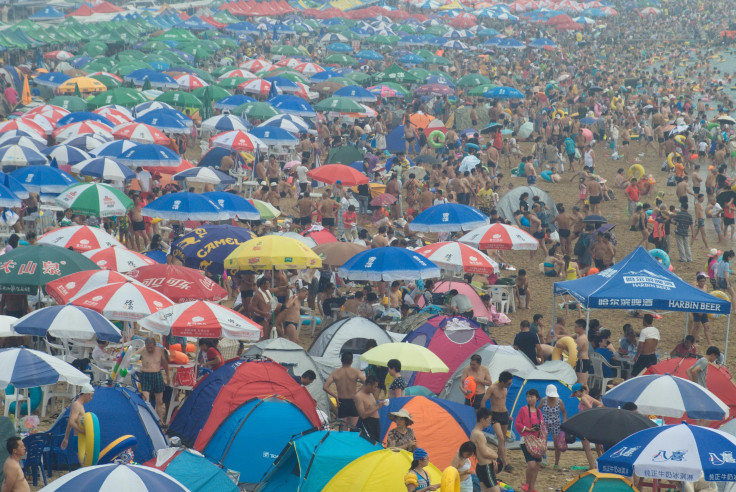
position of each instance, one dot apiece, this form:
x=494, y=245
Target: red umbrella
x=120, y=259
x=500, y=236
x=383, y=200
x=332, y=173
x=204, y=320
x=123, y=301
x=319, y=235
x=179, y=283
x=67, y=287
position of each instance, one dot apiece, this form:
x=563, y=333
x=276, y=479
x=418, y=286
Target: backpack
x=580, y=247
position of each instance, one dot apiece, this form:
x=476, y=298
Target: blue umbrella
x=588, y=120
x=26, y=368
x=439, y=79
x=290, y=104
x=340, y=48
x=65, y=154
x=356, y=93
x=542, y=42
x=504, y=93
x=157, y=255
x=208, y=246
x=235, y=205
x=113, y=149
x=84, y=116
x=51, y=79
x=388, y=264
x=80, y=61
x=411, y=58
x=290, y=122
x=15, y=155
x=157, y=79
x=455, y=45
x=184, y=206
x=15, y=186
x=283, y=83
x=163, y=121
x=150, y=155
x=115, y=477
x=44, y=179
x=322, y=76
x=25, y=142
x=369, y=55
x=104, y=168
x=67, y=322
x=225, y=123
x=273, y=135
x=213, y=157
x=143, y=108
x=9, y=199
x=511, y=43
x=232, y=102
x=449, y=217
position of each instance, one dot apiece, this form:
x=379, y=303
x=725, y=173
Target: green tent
x=346, y=154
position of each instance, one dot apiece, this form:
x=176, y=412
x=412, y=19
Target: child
x=349, y=221
x=582, y=192
x=521, y=290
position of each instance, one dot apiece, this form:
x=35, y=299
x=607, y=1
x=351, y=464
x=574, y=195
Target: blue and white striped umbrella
x=9, y=199
x=51, y=79
x=26, y=368
x=15, y=186
x=116, y=478
x=322, y=76
x=44, y=179
x=25, y=142
x=67, y=322
x=388, y=264
x=273, y=135
x=103, y=168
x=145, y=107
x=225, y=123
x=333, y=38
x=449, y=217
x=66, y=154
x=149, y=155
x=283, y=84
x=164, y=121
x=87, y=142
x=205, y=175
x=235, y=205
x=232, y=102
x=10, y=134
x=356, y=93
x=158, y=80
x=292, y=105
x=674, y=452
x=291, y=123
x=15, y=155
x=184, y=206
x=667, y=396
x=84, y=116
x=113, y=149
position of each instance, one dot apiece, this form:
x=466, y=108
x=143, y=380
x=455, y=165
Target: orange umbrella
x=420, y=120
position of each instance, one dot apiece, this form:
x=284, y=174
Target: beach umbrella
x=67, y=287
x=256, y=86
x=85, y=85
x=356, y=93
x=118, y=258
x=235, y=206
x=271, y=135
x=87, y=142
x=121, y=96
x=123, y=301
x=383, y=90
x=206, y=247
x=72, y=130
x=149, y=155
x=238, y=140
x=69, y=103
x=676, y=452
x=472, y=80
x=184, y=206
x=339, y=105
x=165, y=122
x=51, y=79
x=189, y=82
x=319, y=234
x=16, y=155
x=308, y=242
x=112, y=149
x=225, y=123
x=293, y=105
x=80, y=116
x=145, y=107
x=256, y=65
x=7, y=138
x=204, y=175
x=67, y=322
x=434, y=90
x=412, y=356
x=26, y=368
x=332, y=173
x=43, y=179
x=504, y=93
x=309, y=68
x=65, y=154
x=667, y=396
x=237, y=73
x=594, y=481
x=289, y=122
x=232, y=102
x=605, y=425
x=14, y=186
x=388, y=264
x=449, y=217
x=337, y=253
x=216, y=93
x=459, y=257
x=8, y=198
x=280, y=253
x=265, y=209
x=97, y=199
x=115, y=477
x=23, y=141
x=29, y=268
x=103, y=168
x=178, y=283
x=257, y=110
x=49, y=111
x=25, y=125
x=179, y=99
x=500, y=236
x=141, y=133
x=79, y=238
x=202, y=319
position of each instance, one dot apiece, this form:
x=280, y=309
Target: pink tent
x=479, y=309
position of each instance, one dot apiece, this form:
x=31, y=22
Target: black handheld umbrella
x=595, y=219
x=725, y=196
x=492, y=127
x=605, y=425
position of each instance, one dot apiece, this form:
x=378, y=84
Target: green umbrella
x=176, y=35
x=28, y=268
x=125, y=68
x=398, y=88
x=381, y=39
x=97, y=199
x=285, y=50
x=94, y=48
x=341, y=59
x=446, y=75
x=419, y=73
x=231, y=82
x=122, y=96
x=395, y=73
x=204, y=75
x=594, y=481
x=226, y=43
x=70, y=103
x=130, y=55
x=99, y=65
x=360, y=78
x=287, y=73
x=109, y=82
x=256, y=110
x=440, y=60
x=481, y=89
x=436, y=30
x=207, y=101
x=472, y=80
x=155, y=46
x=339, y=105
x=216, y=93
x=156, y=57
x=180, y=99
x=408, y=28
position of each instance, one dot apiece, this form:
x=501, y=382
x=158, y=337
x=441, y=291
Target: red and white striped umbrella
x=304, y=92
x=288, y=62
x=256, y=65
x=42, y=121
x=179, y=283
x=64, y=289
x=58, y=55
x=123, y=301
x=120, y=259
x=237, y=73
x=23, y=125
x=256, y=86
x=114, y=115
x=202, y=319
x=459, y=257
x=51, y=112
x=80, y=238
x=88, y=127
x=238, y=140
x=308, y=68
x=141, y=133
x=189, y=82
x=500, y=236
x=107, y=74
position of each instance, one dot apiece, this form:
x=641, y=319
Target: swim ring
x=35, y=394
x=721, y=295
x=636, y=171
x=662, y=256
x=116, y=447
x=88, y=444
x=437, y=139
x=566, y=344
x=450, y=480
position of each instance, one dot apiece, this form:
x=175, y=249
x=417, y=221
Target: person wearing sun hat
x=402, y=436
x=418, y=478
x=553, y=415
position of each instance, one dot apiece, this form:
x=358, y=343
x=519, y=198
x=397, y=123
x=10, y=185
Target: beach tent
x=344, y=155
x=516, y=397
x=292, y=356
x=309, y=461
x=509, y=202
x=251, y=437
x=7, y=430
x=47, y=13
x=639, y=282
x=499, y=358
x=479, y=310
x=451, y=338
x=193, y=470
x=440, y=426
x=120, y=411
x=224, y=391
x=395, y=141
x=347, y=335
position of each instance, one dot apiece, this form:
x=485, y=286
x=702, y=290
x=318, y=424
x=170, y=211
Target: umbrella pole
x=687, y=322
x=554, y=306
x=587, y=322
x=725, y=349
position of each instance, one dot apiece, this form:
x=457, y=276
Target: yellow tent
x=86, y=85
x=26, y=94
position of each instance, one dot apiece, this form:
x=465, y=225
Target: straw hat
x=403, y=413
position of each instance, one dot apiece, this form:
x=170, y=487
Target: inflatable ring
x=570, y=347
x=721, y=295
x=88, y=444
x=176, y=357
x=35, y=395
x=636, y=171
x=662, y=256
x=471, y=146
x=558, y=112
x=450, y=480
x=733, y=186
x=116, y=447
x=546, y=175
x=437, y=139
x=671, y=159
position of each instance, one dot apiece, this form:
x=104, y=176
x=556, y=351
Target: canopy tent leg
x=587, y=321
x=725, y=348
x=553, y=320
x=687, y=322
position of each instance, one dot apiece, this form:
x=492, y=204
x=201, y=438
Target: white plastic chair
x=19, y=398
x=59, y=351
x=52, y=391
x=500, y=299
x=599, y=362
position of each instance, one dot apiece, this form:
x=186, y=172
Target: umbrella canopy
x=449, y=217
x=15, y=155
x=68, y=286
x=204, y=175
x=339, y=104
x=120, y=259
x=235, y=206
x=103, y=168
x=123, y=301
x=149, y=155
x=459, y=257
x=65, y=154
x=500, y=236
x=238, y=140
x=178, y=283
x=504, y=93
x=184, y=206
x=203, y=320
x=413, y=357
x=26, y=368
x=332, y=173
x=225, y=123
x=592, y=481
x=280, y=253
x=207, y=247
x=115, y=477
x=96, y=199
x=606, y=426
x=29, y=268
x=388, y=264
x=79, y=238
x=141, y=133
x=44, y=179
x=67, y=322
x=337, y=253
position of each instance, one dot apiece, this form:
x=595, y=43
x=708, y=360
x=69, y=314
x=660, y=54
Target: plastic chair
x=98, y=373
x=19, y=398
x=35, y=446
x=53, y=454
x=59, y=351
x=599, y=362
x=50, y=392
x=500, y=299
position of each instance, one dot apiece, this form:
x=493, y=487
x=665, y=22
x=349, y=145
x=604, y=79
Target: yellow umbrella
x=26, y=94
x=86, y=85
x=278, y=252
x=413, y=357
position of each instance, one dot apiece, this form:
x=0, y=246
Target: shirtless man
x=263, y=305
x=367, y=407
x=560, y=331
x=345, y=379
x=425, y=199
x=536, y=230
x=291, y=315
x=410, y=135
x=14, y=478
x=647, y=347
x=140, y=238
x=699, y=221
x=602, y=252
x=153, y=358
x=380, y=240
x=710, y=182
x=327, y=208
x=486, y=467
x=305, y=207
x=582, y=367
x=482, y=377
x=497, y=393
x=563, y=221
x=261, y=171
x=76, y=413
x=595, y=194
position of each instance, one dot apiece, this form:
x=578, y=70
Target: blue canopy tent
x=46, y=14
x=641, y=282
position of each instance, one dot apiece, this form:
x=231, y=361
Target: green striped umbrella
x=97, y=199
